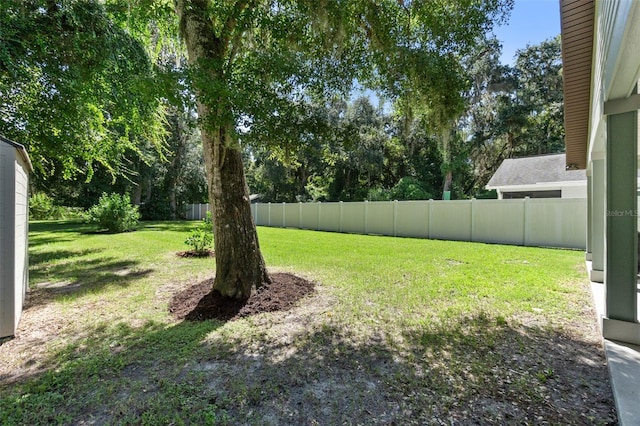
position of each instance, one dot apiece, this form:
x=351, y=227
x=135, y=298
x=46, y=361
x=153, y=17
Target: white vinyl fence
x=550, y=222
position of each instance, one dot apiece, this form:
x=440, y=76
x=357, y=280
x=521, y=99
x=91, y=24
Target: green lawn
x=400, y=330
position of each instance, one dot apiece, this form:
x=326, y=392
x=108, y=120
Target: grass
x=401, y=330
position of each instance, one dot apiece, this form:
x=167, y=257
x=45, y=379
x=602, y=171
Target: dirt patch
x=199, y=302
x=193, y=253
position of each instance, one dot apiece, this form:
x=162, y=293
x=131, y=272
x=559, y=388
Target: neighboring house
x=543, y=176
x=15, y=167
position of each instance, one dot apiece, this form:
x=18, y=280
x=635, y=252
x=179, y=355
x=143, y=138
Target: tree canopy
x=351, y=150
x=75, y=86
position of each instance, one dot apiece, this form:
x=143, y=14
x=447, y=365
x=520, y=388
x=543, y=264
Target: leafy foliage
x=114, y=213
x=362, y=153
x=42, y=207
x=200, y=239
x=409, y=189
x=513, y=111
x=75, y=87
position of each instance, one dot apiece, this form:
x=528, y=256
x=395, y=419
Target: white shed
x=15, y=167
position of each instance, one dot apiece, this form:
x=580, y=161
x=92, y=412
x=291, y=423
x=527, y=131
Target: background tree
x=513, y=111
x=75, y=87
x=539, y=73
x=93, y=91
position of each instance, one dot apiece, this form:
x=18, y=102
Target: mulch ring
x=193, y=253
x=200, y=303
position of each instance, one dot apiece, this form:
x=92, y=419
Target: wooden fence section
x=553, y=222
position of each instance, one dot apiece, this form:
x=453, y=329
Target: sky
x=531, y=22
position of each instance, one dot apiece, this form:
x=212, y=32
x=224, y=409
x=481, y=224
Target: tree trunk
x=448, y=178
x=173, y=205
x=136, y=195
x=239, y=263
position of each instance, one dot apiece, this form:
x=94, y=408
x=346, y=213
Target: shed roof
x=21, y=150
x=534, y=170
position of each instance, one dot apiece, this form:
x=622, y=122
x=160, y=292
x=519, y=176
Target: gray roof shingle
x=533, y=170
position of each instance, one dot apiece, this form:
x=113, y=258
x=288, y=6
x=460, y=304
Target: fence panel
x=292, y=215
x=555, y=224
x=276, y=215
x=309, y=218
x=329, y=217
x=450, y=220
x=262, y=214
x=412, y=219
x=354, y=218
x=498, y=221
x=380, y=217
x=532, y=222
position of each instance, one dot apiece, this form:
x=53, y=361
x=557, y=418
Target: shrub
x=41, y=207
x=409, y=188
x=379, y=194
x=200, y=239
x=114, y=213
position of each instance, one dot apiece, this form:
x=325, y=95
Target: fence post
x=269, y=210
x=473, y=219
x=525, y=216
x=255, y=217
x=366, y=217
x=395, y=217
x=284, y=215
x=299, y=214
x=340, y=220
x=430, y=216
x=319, y=205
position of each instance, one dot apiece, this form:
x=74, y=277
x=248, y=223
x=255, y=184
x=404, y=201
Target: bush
x=114, y=213
x=200, y=239
x=379, y=194
x=42, y=207
x=409, y=188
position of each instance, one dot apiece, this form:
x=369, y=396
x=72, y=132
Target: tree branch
x=231, y=25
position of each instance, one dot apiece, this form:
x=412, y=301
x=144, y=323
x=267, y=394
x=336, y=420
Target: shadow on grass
x=477, y=371
x=75, y=226
x=172, y=226
x=67, y=273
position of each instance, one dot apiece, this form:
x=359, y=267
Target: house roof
x=21, y=150
x=534, y=170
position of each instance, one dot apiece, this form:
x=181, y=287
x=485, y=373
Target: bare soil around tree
x=199, y=302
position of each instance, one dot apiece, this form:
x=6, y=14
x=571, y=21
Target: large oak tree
x=253, y=62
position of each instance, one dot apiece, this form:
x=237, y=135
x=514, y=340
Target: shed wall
x=14, y=278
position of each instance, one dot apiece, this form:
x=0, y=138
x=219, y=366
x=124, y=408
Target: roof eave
x=577, y=27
